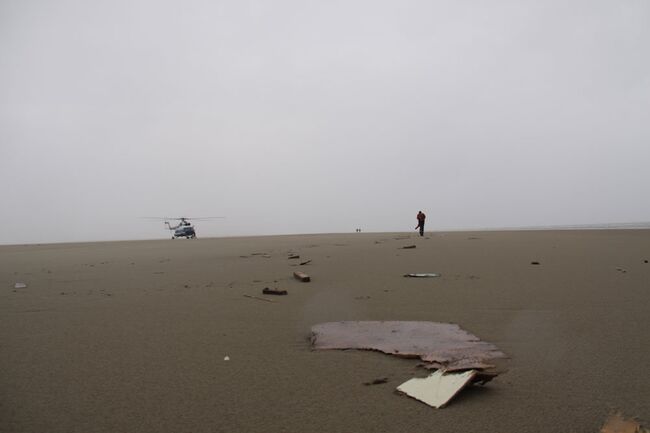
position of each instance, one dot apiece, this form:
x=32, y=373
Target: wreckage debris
x=379, y=381
x=258, y=298
x=422, y=275
x=408, y=247
x=534, y=263
x=302, y=276
x=268, y=291
x=437, y=389
x=444, y=344
x=294, y=256
x=616, y=423
x=306, y=262
x=20, y=286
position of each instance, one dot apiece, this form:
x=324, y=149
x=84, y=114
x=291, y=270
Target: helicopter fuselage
x=184, y=232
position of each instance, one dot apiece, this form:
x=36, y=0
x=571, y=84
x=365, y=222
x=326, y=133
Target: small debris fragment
x=617, y=424
x=424, y=275
x=266, y=256
x=645, y=261
x=294, y=256
x=437, y=389
x=408, y=247
x=20, y=286
x=302, y=276
x=268, y=291
x=306, y=262
x=534, y=263
x=379, y=381
x=226, y=358
x=259, y=299
x=622, y=270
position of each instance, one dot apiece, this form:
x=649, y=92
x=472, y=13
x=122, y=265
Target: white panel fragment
x=437, y=389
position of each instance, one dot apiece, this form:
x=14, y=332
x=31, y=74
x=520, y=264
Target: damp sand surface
x=134, y=336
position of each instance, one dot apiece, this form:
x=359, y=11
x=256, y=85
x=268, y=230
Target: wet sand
x=131, y=336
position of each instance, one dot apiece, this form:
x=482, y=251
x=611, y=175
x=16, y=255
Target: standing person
x=421, y=217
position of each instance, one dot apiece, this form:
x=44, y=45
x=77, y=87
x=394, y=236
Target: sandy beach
x=132, y=336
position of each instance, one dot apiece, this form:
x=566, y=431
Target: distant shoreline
x=578, y=227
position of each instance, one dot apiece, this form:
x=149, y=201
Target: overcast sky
x=320, y=116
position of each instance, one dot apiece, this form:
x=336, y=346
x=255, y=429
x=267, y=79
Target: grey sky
x=306, y=116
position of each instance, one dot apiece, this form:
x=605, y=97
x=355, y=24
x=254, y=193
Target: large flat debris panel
x=445, y=344
x=437, y=389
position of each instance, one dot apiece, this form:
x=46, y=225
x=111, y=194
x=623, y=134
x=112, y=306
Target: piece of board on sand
x=301, y=276
x=437, y=389
x=422, y=275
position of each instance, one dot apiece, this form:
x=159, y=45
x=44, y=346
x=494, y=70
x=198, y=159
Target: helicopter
x=184, y=229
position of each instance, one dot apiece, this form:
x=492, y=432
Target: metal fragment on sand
x=437, y=389
x=443, y=343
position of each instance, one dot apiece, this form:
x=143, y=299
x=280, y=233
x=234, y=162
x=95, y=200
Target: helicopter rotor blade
x=182, y=218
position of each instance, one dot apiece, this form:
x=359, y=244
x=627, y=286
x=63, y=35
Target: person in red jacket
x=421, y=217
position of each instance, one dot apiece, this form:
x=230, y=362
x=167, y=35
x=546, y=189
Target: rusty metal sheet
x=446, y=344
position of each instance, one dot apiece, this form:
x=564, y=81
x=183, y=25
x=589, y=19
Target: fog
x=308, y=117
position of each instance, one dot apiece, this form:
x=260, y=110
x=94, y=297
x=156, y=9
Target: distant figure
x=421, y=217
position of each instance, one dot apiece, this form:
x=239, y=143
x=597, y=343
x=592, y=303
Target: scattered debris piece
x=302, y=276
x=408, y=247
x=243, y=257
x=306, y=262
x=645, y=261
x=226, y=358
x=294, y=256
x=437, y=389
x=534, y=263
x=445, y=344
x=361, y=297
x=268, y=291
x=257, y=254
x=259, y=299
x=617, y=424
x=20, y=286
x=622, y=270
x=424, y=275
x=379, y=381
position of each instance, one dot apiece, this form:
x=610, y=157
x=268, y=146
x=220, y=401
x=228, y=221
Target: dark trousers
x=421, y=228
